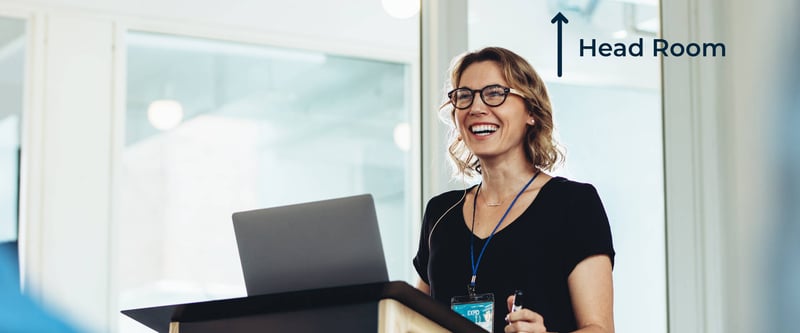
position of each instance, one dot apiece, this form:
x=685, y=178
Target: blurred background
x=130, y=131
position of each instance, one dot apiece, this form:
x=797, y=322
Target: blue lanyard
x=471, y=286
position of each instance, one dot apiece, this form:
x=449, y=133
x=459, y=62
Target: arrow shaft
x=559, y=48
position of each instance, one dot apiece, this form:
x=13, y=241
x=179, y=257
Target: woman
x=519, y=228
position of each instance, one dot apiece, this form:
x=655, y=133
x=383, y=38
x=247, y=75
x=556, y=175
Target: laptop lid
x=312, y=245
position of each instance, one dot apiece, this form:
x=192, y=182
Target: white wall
x=65, y=240
x=355, y=23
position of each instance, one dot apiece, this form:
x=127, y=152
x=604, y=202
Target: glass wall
x=214, y=127
x=608, y=117
x=12, y=73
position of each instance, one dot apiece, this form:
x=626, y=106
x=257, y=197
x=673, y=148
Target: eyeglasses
x=492, y=95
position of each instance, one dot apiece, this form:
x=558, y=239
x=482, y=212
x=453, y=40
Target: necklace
x=487, y=203
x=494, y=204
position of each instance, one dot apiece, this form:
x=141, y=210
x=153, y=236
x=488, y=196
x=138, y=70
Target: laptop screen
x=320, y=244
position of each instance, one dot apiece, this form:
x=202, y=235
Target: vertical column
x=444, y=36
x=71, y=238
x=692, y=158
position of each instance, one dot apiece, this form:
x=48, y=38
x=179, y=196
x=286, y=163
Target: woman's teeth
x=483, y=130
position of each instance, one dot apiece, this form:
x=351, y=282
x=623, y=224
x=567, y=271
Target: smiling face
x=491, y=132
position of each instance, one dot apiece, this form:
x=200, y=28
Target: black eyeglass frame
x=506, y=91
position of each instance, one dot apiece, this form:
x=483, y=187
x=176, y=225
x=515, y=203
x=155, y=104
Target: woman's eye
x=494, y=93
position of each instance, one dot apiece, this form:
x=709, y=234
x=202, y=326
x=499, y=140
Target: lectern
x=390, y=307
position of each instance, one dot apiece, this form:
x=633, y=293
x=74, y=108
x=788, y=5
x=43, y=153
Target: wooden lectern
x=394, y=307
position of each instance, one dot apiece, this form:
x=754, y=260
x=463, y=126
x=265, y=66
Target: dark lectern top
x=158, y=318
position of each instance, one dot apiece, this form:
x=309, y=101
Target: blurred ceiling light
x=402, y=136
x=165, y=114
x=401, y=9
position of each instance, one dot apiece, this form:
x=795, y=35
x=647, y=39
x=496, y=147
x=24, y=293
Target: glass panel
x=608, y=115
x=242, y=127
x=12, y=74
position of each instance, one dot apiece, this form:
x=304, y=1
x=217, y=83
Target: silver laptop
x=312, y=245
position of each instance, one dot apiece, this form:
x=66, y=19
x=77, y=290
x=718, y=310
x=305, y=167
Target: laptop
x=329, y=243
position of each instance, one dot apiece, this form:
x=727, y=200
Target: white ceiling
x=352, y=21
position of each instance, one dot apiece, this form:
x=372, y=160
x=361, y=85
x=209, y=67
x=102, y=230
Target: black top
x=565, y=224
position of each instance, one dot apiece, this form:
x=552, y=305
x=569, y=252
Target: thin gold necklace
x=493, y=204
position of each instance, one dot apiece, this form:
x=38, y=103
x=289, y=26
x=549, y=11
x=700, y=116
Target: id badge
x=478, y=309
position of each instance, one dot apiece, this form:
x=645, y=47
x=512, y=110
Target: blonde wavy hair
x=543, y=150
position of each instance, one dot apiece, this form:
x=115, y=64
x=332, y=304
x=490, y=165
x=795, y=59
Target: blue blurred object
x=19, y=313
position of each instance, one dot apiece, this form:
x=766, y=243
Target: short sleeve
x=588, y=231
x=423, y=252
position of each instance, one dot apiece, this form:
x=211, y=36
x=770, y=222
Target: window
x=12, y=71
x=216, y=127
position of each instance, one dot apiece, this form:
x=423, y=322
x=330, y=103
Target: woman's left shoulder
x=571, y=189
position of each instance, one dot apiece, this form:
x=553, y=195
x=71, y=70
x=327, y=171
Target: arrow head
x=559, y=17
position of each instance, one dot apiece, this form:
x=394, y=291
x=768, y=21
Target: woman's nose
x=477, y=107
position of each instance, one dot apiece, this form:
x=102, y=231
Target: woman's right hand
x=523, y=320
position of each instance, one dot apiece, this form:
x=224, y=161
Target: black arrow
x=559, y=18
